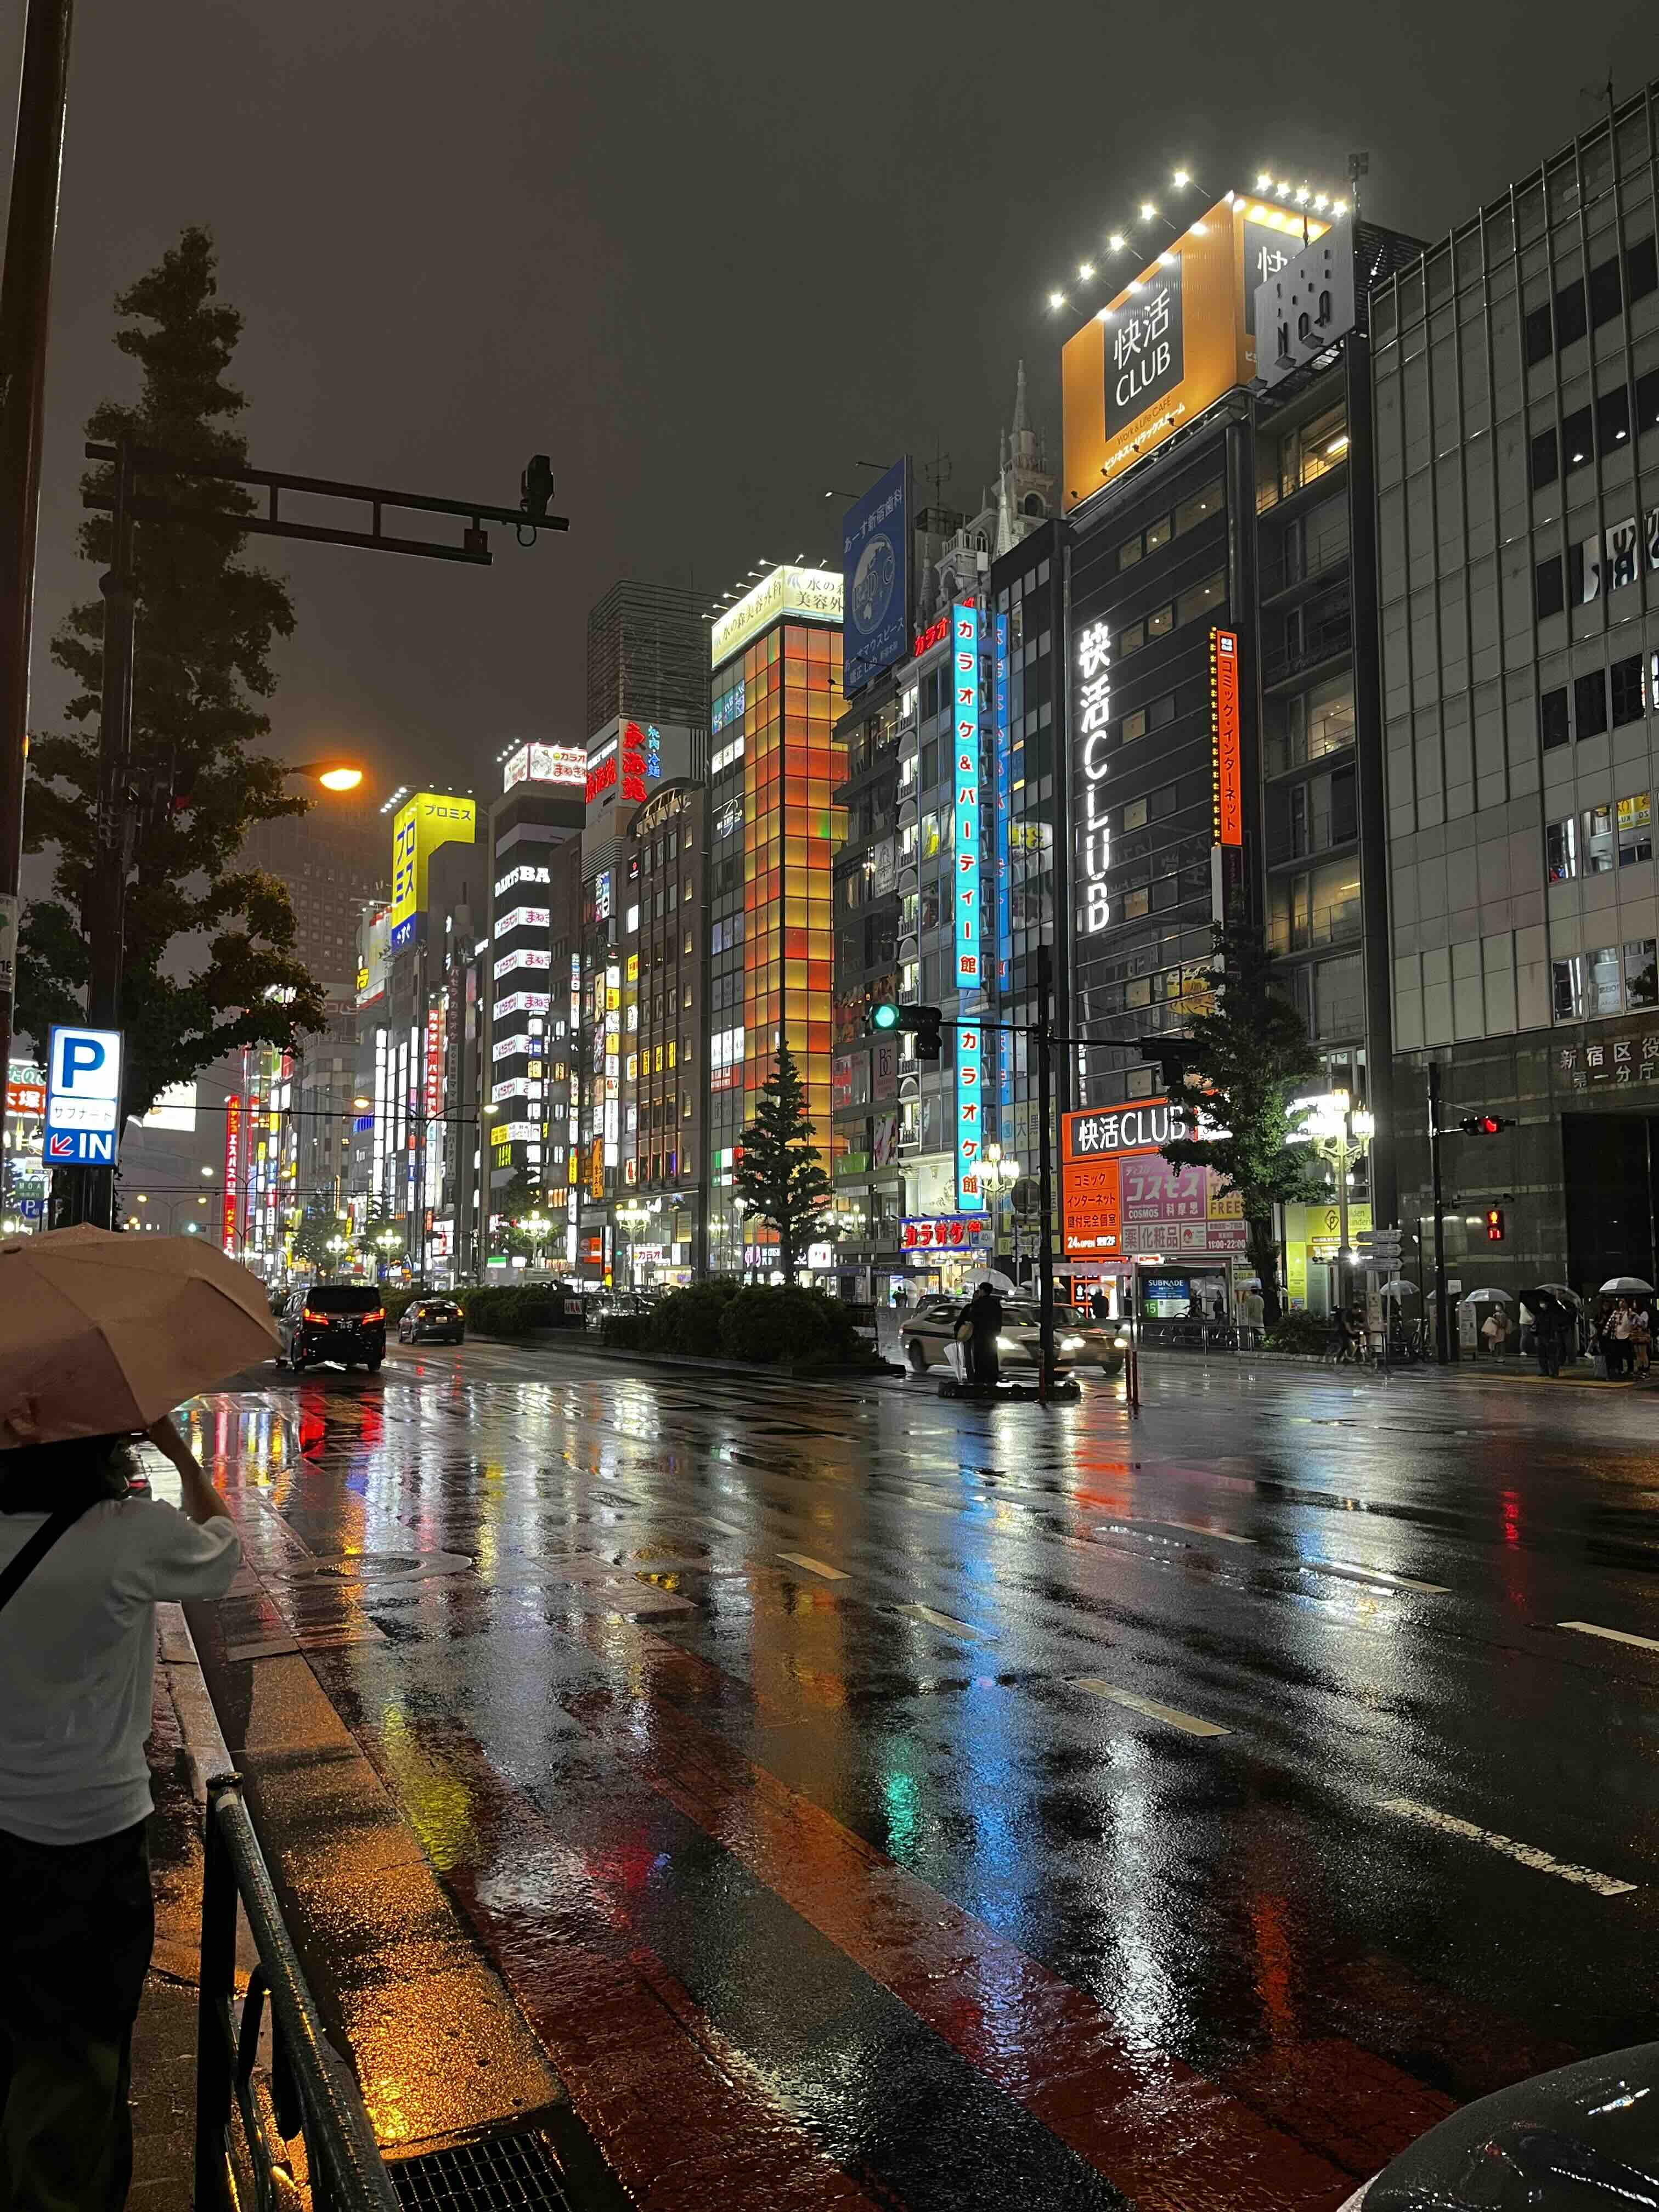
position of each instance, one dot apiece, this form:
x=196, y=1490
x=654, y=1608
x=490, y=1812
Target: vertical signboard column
x=967, y=931
x=1227, y=809
x=233, y=1170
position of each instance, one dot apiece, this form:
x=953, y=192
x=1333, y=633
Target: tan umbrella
x=101, y=1335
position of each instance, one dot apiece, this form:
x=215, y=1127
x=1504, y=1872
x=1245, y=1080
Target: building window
x=1548, y=596
x=1604, y=299
x=1160, y=621
x=1545, y=463
x=1577, y=442
x=1625, y=676
x=1202, y=598
x=1634, y=828
x=1539, y=338
x=1570, y=320
x=1613, y=419
x=1590, y=703
x=1599, y=843
x=1567, y=990
x=1641, y=985
x=1135, y=903
x=1561, y=849
x=1552, y=717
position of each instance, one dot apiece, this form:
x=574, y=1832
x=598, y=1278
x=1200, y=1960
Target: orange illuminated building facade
x=773, y=836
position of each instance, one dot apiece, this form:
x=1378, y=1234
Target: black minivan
x=333, y=1321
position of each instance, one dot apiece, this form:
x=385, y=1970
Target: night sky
x=706, y=258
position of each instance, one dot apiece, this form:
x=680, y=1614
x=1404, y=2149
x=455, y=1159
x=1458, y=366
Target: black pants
x=984, y=1366
x=76, y=1924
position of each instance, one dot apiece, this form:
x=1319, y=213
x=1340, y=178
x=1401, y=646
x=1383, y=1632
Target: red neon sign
x=233, y=1169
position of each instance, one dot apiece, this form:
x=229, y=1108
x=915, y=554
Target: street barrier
x=310, y=2091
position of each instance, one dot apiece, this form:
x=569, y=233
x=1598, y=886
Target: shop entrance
x=1607, y=1167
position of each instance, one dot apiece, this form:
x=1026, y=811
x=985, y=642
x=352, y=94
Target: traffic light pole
x=1442, y=1333
x=91, y=1195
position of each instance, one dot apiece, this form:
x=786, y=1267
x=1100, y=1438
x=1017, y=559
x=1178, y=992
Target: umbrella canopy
x=1561, y=1290
x=1398, y=1288
x=101, y=1335
x=1487, y=1298
x=1616, y=1284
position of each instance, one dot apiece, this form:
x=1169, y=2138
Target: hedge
x=1298, y=1331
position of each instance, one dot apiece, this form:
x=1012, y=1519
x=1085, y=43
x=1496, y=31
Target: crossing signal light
x=1483, y=1125
x=923, y=1023
x=1494, y=1225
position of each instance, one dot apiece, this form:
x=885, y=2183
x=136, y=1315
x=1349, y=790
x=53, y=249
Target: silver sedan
x=1079, y=1340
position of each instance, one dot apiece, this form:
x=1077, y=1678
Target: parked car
x=333, y=1321
x=432, y=1321
x=1584, y=2135
x=1079, y=1340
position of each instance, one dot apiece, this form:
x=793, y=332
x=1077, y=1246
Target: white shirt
x=77, y=1661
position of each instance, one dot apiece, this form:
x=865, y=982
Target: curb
x=205, y=1754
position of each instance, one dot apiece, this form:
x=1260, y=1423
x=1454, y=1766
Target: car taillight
x=309, y=1315
x=379, y=1314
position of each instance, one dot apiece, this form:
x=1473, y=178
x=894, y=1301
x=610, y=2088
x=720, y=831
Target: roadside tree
x=780, y=1172
x=1250, y=1058
x=209, y=960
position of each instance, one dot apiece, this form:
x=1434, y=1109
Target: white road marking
x=1613, y=1635
x=1374, y=1575
x=814, y=1566
x=944, y=1621
x=1527, y=1855
x=1188, y=1724
x=1194, y=1528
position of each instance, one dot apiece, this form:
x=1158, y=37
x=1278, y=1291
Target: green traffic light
x=884, y=1018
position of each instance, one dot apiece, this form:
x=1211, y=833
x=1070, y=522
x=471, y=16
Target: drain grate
x=499, y=2173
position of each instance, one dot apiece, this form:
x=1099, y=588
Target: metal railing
x=310, y=2091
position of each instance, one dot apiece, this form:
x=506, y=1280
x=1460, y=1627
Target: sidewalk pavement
x=164, y=2041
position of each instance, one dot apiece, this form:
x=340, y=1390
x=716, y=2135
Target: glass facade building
x=774, y=831
x=1517, y=408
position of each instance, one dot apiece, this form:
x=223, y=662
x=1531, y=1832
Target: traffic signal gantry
x=924, y=1024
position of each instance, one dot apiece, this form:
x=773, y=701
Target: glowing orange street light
x=332, y=774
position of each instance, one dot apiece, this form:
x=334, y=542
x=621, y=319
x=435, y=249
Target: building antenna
x=941, y=463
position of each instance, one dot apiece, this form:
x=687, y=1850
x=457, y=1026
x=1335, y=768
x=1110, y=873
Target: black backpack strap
x=56, y=1524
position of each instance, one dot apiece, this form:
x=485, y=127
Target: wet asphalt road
x=940, y=1805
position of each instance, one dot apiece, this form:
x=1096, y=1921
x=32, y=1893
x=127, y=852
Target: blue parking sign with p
x=83, y=1097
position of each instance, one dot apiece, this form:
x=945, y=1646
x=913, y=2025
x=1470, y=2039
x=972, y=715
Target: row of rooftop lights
x=1290, y=201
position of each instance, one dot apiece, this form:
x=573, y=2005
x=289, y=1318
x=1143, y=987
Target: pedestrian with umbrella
x=100, y=1336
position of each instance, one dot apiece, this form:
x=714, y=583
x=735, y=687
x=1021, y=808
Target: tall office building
x=774, y=766
x=647, y=692
x=899, y=892
x=648, y=656
x=332, y=859
x=1517, y=369
x=1222, y=740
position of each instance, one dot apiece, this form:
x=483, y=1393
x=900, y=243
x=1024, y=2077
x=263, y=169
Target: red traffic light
x=1494, y=1225
x=1483, y=1125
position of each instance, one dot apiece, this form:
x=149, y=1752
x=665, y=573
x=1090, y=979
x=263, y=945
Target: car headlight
x=1071, y=1344
x=1120, y=1343
x=1007, y=1344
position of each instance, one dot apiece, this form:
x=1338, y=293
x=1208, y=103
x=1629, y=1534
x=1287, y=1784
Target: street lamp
x=634, y=1217
x=332, y=774
x=1001, y=1174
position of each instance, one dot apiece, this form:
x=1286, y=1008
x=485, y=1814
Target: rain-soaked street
x=869, y=1799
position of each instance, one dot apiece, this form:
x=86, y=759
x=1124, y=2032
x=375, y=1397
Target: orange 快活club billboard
x=1175, y=339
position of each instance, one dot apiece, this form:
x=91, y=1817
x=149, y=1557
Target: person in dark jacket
x=1551, y=1329
x=983, y=1314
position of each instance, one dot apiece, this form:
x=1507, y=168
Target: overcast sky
x=705, y=257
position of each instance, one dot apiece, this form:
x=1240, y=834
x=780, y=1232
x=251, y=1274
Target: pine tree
x=780, y=1173
x=209, y=960
x=1252, y=1058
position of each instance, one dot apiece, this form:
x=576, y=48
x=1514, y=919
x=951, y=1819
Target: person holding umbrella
x=100, y=1336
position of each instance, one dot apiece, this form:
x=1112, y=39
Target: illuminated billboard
x=814, y=592
x=1176, y=337
x=1228, y=823
x=546, y=765
x=419, y=826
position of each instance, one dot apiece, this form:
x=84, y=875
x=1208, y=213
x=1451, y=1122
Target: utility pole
x=1045, y=1171
x=24, y=317
x=1441, y=1333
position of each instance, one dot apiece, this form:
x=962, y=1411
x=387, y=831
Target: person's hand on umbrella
x=197, y=1495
